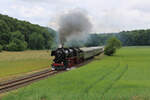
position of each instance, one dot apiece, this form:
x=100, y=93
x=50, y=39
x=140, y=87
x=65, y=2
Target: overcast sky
x=105, y=15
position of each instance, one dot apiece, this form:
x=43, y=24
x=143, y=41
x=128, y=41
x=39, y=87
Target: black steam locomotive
x=67, y=57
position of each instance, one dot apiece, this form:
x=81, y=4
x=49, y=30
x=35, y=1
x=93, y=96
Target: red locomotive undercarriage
x=72, y=61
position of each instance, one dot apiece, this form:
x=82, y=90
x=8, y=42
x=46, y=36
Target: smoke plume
x=74, y=25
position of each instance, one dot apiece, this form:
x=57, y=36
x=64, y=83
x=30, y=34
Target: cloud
x=142, y=6
x=112, y=16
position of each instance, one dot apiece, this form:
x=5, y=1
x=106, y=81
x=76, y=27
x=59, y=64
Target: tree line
x=135, y=37
x=128, y=38
x=16, y=35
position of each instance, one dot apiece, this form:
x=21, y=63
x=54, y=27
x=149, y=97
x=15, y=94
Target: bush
x=12, y=46
x=17, y=45
x=1, y=48
x=114, y=42
x=109, y=50
x=111, y=46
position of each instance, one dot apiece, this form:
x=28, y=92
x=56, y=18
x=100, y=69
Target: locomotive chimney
x=61, y=46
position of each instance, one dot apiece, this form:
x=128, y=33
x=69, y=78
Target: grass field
x=12, y=63
x=124, y=76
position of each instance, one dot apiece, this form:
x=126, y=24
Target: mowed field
x=12, y=63
x=125, y=76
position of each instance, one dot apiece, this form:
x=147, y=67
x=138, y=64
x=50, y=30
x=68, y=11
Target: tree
x=114, y=42
x=17, y=35
x=17, y=45
x=109, y=50
x=3, y=27
x=111, y=46
x=1, y=48
x=36, y=41
x=12, y=46
x=17, y=42
x=12, y=29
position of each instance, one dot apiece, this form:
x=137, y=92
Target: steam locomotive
x=65, y=58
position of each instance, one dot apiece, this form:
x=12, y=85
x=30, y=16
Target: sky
x=105, y=15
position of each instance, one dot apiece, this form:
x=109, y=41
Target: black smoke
x=74, y=25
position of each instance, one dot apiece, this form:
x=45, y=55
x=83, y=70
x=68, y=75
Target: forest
x=16, y=35
x=127, y=38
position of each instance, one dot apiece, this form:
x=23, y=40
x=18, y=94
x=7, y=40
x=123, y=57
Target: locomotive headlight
x=66, y=52
x=53, y=68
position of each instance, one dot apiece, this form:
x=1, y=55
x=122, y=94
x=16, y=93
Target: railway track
x=25, y=80
x=19, y=82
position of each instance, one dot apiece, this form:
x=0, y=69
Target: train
x=65, y=58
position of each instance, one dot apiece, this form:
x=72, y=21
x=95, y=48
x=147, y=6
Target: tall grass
x=12, y=63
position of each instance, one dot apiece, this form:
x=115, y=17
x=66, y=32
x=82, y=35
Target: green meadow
x=12, y=63
x=124, y=76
